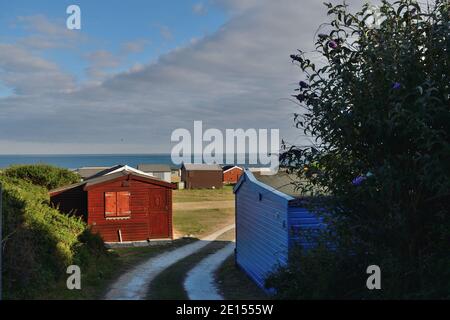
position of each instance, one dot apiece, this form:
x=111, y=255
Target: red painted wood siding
x=232, y=176
x=159, y=206
x=201, y=179
x=150, y=211
x=110, y=203
x=123, y=203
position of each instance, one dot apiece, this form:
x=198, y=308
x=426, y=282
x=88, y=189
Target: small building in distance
x=160, y=171
x=270, y=218
x=176, y=175
x=201, y=176
x=231, y=174
x=260, y=170
x=123, y=204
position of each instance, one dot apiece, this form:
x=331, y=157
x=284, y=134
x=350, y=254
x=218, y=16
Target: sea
x=74, y=161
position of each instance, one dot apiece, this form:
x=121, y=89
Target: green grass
x=94, y=280
x=169, y=284
x=39, y=241
x=234, y=284
x=194, y=195
x=202, y=222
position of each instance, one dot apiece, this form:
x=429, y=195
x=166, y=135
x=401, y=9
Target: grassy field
x=226, y=193
x=169, y=285
x=234, y=284
x=199, y=223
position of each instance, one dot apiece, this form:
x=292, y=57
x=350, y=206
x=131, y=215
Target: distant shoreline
x=74, y=161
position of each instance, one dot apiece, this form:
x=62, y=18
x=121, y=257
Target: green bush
x=47, y=176
x=377, y=107
x=40, y=242
x=309, y=275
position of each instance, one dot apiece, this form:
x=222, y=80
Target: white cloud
x=46, y=34
x=41, y=24
x=240, y=76
x=28, y=74
x=99, y=63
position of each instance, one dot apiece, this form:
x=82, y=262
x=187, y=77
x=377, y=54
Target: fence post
x=1, y=239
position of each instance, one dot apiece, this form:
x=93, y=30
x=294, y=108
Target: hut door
x=158, y=214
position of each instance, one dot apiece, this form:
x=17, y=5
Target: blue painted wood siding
x=301, y=221
x=261, y=230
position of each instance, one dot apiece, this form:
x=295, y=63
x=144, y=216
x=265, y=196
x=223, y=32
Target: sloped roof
x=281, y=181
x=87, y=172
x=283, y=184
x=104, y=171
x=129, y=170
x=154, y=167
x=226, y=168
x=68, y=187
x=112, y=174
x=249, y=176
x=202, y=167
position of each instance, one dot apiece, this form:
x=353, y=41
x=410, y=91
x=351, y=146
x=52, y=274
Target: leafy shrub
x=309, y=275
x=378, y=108
x=39, y=242
x=47, y=176
x=89, y=247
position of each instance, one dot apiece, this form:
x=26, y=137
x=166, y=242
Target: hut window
x=110, y=204
x=260, y=196
x=117, y=204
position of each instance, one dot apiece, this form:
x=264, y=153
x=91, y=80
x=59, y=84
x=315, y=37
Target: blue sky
x=138, y=70
x=155, y=26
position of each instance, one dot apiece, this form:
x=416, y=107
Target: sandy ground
x=200, y=283
x=133, y=285
x=203, y=205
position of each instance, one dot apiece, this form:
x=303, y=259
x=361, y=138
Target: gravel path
x=133, y=285
x=200, y=283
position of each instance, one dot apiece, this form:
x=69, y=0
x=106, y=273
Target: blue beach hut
x=270, y=217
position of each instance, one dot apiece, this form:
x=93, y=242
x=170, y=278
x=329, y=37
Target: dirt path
x=200, y=283
x=133, y=285
x=203, y=205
